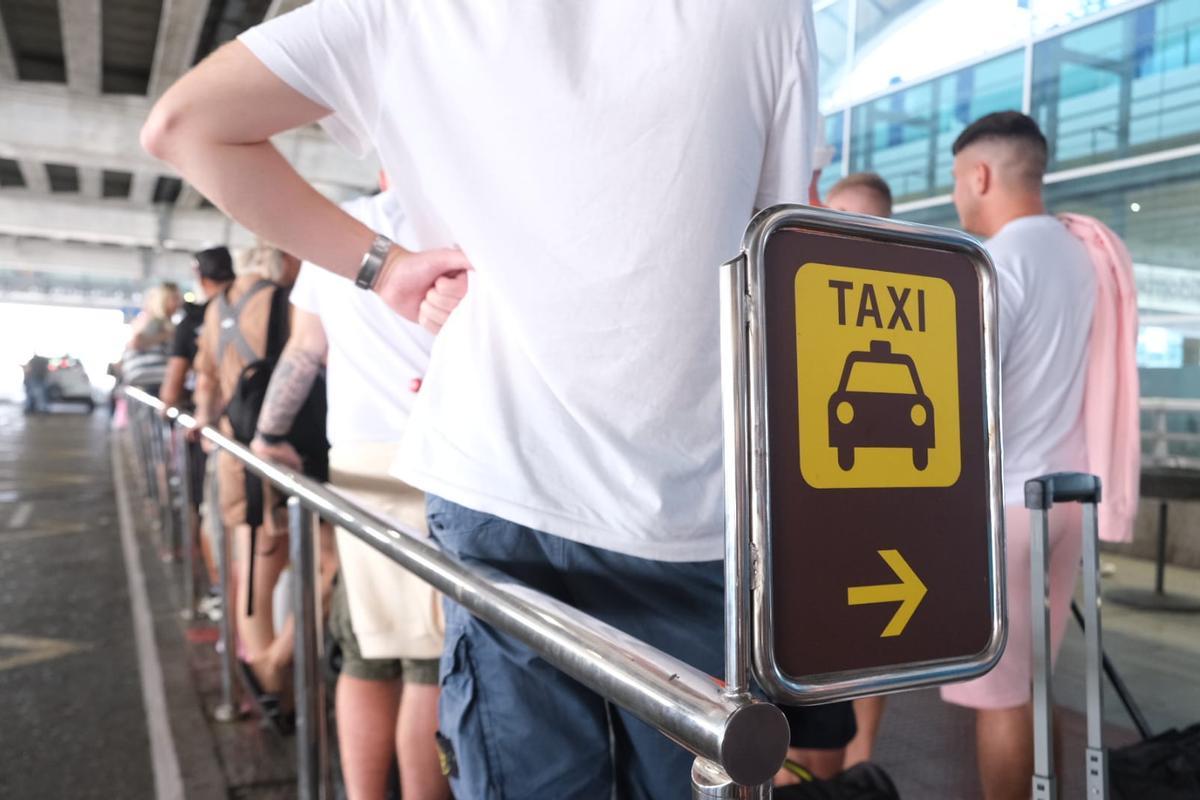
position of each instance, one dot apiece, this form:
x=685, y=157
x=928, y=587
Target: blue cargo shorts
x=514, y=727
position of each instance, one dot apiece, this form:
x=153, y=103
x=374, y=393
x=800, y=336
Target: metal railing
x=739, y=741
x=1160, y=437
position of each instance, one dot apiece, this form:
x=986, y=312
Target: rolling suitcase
x=1040, y=495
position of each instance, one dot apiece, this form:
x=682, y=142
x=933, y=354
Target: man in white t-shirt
x=385, y=620
x=1047, y=288
x=594, y=163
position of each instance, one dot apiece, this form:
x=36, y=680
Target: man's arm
x=208, y=401
x=172, y=385
x=291, y=382
x=214, y=126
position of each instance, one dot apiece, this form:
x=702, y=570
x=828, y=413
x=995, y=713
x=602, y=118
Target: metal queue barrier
x=739, y=742
x=863, y=508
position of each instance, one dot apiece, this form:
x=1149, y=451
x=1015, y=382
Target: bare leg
x=206, y=551
x=821, y=763
x=868, y=711
x=420, y=769
x=1004, y=738
x=366, y=721
x=257, y=631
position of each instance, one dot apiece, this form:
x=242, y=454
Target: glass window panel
x=834, y=131
x=1123, y=86
x=906, y=136
x=1050, y=14
x=833, y=36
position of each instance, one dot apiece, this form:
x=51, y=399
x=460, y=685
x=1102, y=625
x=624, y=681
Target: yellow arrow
x=908, y=593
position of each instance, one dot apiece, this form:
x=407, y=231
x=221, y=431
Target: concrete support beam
x=37, y=180
x=71, y=258
x=115, y=222
x=91, y=183
x=8, y=64
x=189, y=199
x=81, y=36
x=179, y=28
x=141, y=189
x=47, y=123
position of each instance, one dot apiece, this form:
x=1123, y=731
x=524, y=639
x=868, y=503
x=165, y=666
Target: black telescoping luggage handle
x=1061, y=487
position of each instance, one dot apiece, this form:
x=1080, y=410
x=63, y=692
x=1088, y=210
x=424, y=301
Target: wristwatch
x=368, y=271
x=271, y=438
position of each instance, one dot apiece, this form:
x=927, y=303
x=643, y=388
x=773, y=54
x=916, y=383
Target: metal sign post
x=863, y=353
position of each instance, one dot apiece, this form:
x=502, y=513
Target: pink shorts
x=1010, y=683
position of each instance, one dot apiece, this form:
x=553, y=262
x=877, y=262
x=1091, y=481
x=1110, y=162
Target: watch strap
x=372, y=263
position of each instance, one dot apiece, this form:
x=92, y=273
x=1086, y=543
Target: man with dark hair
x=1047, y=292
x=861, y=193
x=214, y=271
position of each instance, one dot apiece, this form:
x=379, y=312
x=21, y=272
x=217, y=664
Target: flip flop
x=266, y=703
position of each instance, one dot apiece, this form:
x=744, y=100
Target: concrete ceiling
x=80, y=202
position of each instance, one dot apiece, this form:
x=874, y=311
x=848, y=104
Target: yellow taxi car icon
x=879, y=403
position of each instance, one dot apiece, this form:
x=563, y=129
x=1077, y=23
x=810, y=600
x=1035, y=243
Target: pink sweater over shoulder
x=1110, y=401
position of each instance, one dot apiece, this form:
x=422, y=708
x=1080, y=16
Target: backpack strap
x=229, y=333
x=279, y=324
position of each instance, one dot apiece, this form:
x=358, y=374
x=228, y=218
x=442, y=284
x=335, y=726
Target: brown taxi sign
x=866, y=367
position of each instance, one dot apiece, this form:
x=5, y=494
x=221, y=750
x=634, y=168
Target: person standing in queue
x=386, y=621
x=235, y=335
x=594, y=163
x=213, y=269
x=1047, y=292
x=861, y=193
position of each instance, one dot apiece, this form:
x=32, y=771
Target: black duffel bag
x=861, y=782
x=1163, y=767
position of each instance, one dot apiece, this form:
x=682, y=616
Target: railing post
x=1045, y=786
x=225, y=710
x=307, y=669
x=1161, y=448
x=187, y=527
x=709, y=782
x=137, y=423
x=162, y=478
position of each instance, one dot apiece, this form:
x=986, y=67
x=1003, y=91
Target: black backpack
x=864, y=781
x=307, y=434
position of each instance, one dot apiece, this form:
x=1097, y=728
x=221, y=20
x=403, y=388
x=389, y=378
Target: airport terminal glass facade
x=1114, y=85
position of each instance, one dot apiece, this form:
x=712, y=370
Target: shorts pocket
x=461, y=723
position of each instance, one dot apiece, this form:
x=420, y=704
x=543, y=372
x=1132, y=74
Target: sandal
x=266, y=703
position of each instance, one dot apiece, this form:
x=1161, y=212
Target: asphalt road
x=72, y=723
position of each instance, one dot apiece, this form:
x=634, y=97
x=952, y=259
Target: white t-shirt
x=1047, y=288
x=374, y=353
x=596, y=161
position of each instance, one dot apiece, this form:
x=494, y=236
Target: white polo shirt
x=1047, y=288
x=596, y=161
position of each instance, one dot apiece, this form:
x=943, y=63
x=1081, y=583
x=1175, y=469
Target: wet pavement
x=74, y=722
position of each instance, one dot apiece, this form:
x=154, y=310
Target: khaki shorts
x=410, y=670
x=394, y=613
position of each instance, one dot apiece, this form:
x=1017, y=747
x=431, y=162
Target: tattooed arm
x=290, y=384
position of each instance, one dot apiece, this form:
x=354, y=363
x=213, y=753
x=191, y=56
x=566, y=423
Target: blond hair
x=156, y=299
x=262, y=259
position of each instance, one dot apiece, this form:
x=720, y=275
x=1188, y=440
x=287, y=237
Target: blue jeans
x=518, y=728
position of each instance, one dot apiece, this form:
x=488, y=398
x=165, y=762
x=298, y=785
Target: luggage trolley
x=1040, y=495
